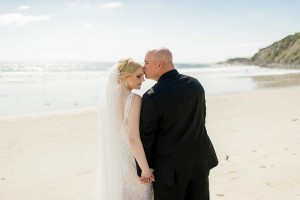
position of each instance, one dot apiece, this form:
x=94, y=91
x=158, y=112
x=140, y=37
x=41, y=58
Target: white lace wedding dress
x=132, y=188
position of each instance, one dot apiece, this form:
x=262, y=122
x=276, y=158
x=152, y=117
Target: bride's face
x=136, y=79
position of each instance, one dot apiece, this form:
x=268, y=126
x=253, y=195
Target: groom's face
x=150, y=66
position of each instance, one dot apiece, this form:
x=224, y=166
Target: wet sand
x=276, y=81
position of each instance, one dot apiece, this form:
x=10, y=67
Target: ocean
x=39, y=87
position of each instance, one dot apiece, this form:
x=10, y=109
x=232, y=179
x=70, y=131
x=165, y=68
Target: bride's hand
x=147, y=173
x=147, y=177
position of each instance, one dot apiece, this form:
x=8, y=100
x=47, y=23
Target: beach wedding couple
x=155, y=146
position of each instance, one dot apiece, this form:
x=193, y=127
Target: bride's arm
x=134, y=136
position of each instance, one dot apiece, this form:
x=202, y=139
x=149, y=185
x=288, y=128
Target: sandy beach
x=256, y=136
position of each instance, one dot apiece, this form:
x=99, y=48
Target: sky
x=196, y=31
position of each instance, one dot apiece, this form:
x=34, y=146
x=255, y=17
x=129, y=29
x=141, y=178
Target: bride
x=119, y=138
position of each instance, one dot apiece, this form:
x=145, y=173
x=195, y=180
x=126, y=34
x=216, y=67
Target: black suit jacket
x=172, y=128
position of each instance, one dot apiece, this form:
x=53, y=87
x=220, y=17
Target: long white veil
x=109, y=177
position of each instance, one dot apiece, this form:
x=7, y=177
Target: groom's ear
x=160, y=65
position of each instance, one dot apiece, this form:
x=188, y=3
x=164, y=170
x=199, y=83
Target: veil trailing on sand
x=109, y=177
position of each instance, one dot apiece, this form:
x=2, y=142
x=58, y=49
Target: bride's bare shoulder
x=137, y=99
x=136, y=96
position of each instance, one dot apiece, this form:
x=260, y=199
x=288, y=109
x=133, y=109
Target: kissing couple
x=155, y=146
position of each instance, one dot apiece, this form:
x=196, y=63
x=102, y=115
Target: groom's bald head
x=162, y=54
x=157, y=62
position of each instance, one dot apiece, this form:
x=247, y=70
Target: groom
x=173, y=133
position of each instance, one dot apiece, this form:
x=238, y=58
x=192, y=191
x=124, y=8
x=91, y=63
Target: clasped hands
x=147, y=177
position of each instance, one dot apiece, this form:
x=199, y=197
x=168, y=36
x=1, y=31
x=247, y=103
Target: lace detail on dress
x=132, y=188
x=127, y=112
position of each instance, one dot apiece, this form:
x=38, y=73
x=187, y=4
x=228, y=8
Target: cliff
x=284, y=53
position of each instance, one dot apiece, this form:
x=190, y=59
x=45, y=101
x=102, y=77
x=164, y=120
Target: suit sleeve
x=149, y=119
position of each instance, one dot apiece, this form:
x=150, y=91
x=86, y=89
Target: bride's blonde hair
x=127, y=66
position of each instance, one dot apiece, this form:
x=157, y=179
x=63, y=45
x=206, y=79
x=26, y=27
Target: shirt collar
x=168, y=74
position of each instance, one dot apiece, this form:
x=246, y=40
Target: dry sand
x=257, y=139
x=256, y=136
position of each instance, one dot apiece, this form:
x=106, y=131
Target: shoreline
x=58, y=113
x=256, y=136
x=93, y=109
x=26, y=94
